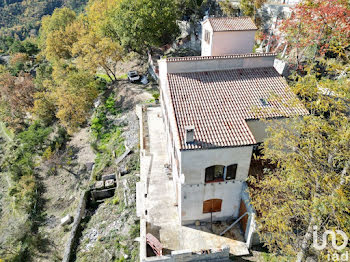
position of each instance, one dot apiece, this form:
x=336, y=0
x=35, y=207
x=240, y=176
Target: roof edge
x=233, y=56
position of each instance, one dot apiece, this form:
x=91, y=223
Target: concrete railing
x=189, y=256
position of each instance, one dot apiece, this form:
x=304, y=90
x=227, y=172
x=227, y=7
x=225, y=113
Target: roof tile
x=242, y=23
x=218, y=103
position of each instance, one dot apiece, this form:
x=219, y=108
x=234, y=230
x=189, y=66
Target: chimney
x=189, y=134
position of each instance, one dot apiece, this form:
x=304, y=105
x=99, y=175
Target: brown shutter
x=212, y=205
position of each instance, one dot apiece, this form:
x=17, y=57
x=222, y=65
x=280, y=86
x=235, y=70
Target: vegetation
x=142, y=24
x=20, y=19
x=249, y=7
x=309, y=185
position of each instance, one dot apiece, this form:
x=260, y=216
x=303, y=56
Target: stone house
x=212, y=109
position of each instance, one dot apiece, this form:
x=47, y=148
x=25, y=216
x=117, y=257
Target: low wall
x=188, y=256
x=73, y=234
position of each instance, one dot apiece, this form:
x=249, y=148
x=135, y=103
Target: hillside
x=22, y=17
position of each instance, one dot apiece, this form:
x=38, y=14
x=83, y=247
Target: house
x=211, y=107
x=227, y=35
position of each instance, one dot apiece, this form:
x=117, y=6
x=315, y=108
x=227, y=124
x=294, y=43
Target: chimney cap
x=189, y=134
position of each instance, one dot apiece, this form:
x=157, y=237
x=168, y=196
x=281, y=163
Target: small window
x=231, y=172
x=207, y=36
x=264, y=102
x=214, y=173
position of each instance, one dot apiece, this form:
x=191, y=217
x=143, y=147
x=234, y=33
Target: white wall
x=232, y=42
x=205, y=64
x=258, y=127
x=194, y=162
x=206, y=47
x=194, y=195
x=194, y=190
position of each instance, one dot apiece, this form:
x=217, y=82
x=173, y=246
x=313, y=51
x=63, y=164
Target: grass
x=104, y=76
x=123, y=77
x=6, y=133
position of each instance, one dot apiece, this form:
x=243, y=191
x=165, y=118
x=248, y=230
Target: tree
x=249, y=7
x=228, y=9
x=317, y=28
x=18, y=62
x=16, y=97
x=94, y=52
x=310, y=185
x=142, y=24
x=94, y=49
x=57, y=34
x=75, y=94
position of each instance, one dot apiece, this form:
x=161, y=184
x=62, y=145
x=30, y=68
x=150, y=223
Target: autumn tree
x=16, y=96
x=95, y=50
x=57, y=34
x=310, y=185
x=318, y=28
x=142, y=24
x=75, y=94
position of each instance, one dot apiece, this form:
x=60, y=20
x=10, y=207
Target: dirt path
x=61, y=194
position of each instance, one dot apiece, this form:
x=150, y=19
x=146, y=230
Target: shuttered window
x=231, y=172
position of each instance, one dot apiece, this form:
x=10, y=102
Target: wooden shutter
x=212, y=205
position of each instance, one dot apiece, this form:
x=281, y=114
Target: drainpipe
x=234, y=223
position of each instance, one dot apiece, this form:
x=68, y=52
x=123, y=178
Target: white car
x=133, y=76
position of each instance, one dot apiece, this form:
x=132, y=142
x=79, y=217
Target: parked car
x=133, y=76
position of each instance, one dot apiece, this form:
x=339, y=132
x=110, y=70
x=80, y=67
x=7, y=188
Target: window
x=212, y=205
x=207, y=36
x=231, y=172
x=264, y=102
x=214, y=173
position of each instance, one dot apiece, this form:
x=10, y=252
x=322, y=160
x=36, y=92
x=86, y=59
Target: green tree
x=142, y=24
x=228, y=9
x=249, y=7
x=310, y=185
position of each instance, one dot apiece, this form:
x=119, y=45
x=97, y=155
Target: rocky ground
x=108, y=233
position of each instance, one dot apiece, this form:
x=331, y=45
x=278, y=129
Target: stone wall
x=73, y=234
x=188, y=256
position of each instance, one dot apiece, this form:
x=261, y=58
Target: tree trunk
x=305, y=243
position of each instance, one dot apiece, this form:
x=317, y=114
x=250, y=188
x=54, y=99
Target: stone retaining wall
x=73, y=234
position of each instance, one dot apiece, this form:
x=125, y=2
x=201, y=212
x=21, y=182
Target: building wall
x=232, y=42
x=194, y=191
x=219, y=63
x=259, y=127
x=206, y=47
x=194, y=162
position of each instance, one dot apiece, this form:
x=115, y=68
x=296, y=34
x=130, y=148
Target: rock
x=108, y=177
x=99, y=185
x=109, y=183
x=66, y=220
x=89, y=166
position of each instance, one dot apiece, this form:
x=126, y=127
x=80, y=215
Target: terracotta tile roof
x=232, y=23
x=198, y=58
x=218, y=103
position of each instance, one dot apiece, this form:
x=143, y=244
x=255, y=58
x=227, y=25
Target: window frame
x=214, y=178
